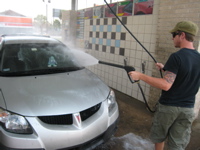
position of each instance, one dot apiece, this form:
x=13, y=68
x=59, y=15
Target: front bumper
x=92, y=132
x=85, y=146
x=98, y=140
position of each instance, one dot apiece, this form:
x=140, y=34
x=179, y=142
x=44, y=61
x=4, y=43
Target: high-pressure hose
x=143, y=48
x=132, y=34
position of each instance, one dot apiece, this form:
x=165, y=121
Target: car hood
x=53, y=94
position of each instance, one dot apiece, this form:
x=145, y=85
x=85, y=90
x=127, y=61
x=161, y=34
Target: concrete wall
x=108, y=41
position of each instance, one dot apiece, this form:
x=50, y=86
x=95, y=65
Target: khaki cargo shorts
x=174, y=124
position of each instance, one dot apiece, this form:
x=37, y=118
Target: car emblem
x=77, y=120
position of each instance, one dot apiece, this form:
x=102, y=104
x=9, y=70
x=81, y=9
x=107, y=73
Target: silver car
x=48, y=101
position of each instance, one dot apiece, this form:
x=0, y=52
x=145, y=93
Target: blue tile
x=93, y=40
x=118, y=28
x=101, y=28
x=94, y=28
x=100, y=41
x=109, y=28
x=117, y=43
x=108, y=42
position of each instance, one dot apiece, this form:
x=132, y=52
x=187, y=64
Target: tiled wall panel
x=109, y=41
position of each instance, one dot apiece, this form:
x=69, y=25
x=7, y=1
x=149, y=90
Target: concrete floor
x=135, y=121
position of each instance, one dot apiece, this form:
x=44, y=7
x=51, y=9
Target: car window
x=0, y=42
x=37, y=58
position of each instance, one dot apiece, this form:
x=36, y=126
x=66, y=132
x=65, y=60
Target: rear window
x=37, y=58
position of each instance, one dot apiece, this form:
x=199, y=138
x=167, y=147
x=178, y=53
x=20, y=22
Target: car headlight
x=111, y=101
x=14, y=123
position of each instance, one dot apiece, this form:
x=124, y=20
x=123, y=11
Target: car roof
x=16, y=39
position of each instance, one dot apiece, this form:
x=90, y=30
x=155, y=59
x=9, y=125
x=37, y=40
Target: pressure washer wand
x=127, y=68
x=111, y=64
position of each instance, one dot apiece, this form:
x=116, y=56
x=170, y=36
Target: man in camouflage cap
x=186, y=26
x=180, y=83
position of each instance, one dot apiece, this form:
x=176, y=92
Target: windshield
x=38, y=58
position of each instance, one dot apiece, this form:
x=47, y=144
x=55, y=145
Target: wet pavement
x=134, y=127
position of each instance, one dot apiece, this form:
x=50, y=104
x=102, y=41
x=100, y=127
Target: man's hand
x=159, y=66
x=164, y=83
x=134, y=75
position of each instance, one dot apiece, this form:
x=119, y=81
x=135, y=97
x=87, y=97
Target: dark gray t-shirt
x=185, y=63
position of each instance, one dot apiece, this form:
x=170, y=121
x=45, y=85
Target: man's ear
x=182, y=35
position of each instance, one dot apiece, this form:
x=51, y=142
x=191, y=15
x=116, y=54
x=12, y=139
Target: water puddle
x=127, y=142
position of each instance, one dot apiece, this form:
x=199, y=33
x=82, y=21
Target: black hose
x=147, y=105
x=143, y=48
x=131, y=32
x=133, y=36
x=128, y=69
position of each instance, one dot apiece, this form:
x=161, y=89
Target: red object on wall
x=143, y=8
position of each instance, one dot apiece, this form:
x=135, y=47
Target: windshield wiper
x=57, y=70
x=41, y=71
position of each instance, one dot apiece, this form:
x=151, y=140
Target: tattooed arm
x=169, y=77
x=164, y=83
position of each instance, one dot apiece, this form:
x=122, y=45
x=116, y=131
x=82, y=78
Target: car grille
x=67, y=119
x=61, y=119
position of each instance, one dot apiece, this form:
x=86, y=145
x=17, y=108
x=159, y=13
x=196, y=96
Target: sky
x=31, y=8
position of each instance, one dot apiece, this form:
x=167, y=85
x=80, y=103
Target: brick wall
x=170, y=12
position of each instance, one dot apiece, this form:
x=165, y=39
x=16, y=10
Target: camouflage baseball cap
x=186, y=26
